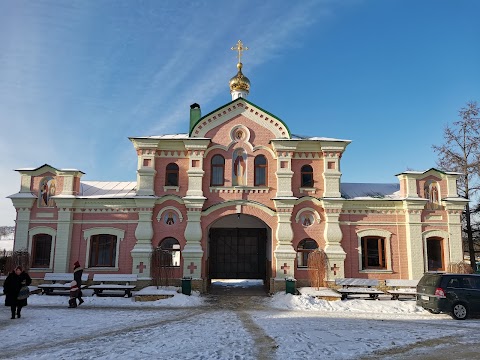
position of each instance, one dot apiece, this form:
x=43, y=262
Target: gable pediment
x=240, y=107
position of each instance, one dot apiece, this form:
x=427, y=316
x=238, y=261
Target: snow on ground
x=194, y=327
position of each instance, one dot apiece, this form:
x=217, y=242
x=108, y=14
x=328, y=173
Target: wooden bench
x=400, y=287
x=114, y=282
x=59, y=281
x=353, y=286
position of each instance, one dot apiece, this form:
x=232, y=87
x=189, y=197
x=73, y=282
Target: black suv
x=455, y=294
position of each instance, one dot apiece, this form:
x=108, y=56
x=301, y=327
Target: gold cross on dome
x=239, y=47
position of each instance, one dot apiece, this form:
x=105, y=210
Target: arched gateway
x=239, y=247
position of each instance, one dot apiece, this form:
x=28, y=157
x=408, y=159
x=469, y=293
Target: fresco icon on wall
x=46, y=192
x=170, y=218
x=239, y=166
x=430, y=192
x=307, y=219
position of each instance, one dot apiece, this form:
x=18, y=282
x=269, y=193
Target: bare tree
x=317, y=268
x=461, y=153
x=162, y=270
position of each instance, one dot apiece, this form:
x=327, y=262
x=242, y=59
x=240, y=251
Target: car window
x=475, y=281
x=467, y=282
x=429, y=280
x=454, y=283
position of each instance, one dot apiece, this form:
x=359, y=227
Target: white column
x=333, y=238
x=331, y=174
x=142, y=251
x=454, y=212
x=193, y=252
x=23, y=207
x=284, y=174
x=284, y=252
x=61, y=262
x=413, y=224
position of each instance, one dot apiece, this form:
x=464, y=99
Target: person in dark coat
x=72, y=302
x=77, y=276
x=11, y=287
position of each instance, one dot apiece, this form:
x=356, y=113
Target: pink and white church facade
x=239, y=196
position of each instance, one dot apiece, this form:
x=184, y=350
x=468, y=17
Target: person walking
x=72, y=302
x=77, y=276
x=16, y=297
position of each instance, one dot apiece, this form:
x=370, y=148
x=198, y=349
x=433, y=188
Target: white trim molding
x=387, y=235
x=87, y=236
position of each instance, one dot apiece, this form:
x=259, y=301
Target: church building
x=239, y=197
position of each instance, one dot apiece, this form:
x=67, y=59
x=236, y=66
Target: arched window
x=307, y=176
x=305, y=247
x=171, y=175
x=261, y=167
x=373, y=253
x=41, y=250
x=218, y=171
x=103, y=248
x=171, y=252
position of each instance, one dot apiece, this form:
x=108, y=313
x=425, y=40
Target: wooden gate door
x=237, y=253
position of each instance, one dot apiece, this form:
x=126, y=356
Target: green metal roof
x=236, y=100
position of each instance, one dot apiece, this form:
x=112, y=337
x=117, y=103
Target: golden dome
x=239, y=82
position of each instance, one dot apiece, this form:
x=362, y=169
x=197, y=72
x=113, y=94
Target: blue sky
x=79, y=77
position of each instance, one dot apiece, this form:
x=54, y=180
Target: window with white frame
x=374, y=250
x=103, y=246
x=41, y=250
x=103, y=250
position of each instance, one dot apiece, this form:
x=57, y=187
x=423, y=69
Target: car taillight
x=439, y=292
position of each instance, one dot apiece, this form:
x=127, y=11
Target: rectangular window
x=373, y=253
x=42, y=245
x=103, y=250
x=260, y=176
x=172, y=179
x=217, y=176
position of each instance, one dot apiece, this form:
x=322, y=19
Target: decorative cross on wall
x=334, y=268
x=192, y=267
x=285, y=268
x=140, y=267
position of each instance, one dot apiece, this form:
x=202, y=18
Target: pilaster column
x=196, y=151
x=195, y=173
x=413, y=226
x=193, y=252
x=454, y=212
x=331, y=174
x=146, y=172
x=452, y=189
x=23, y=207
x=409, y=183
x=63, y=244
x=284, y=252
x=284, y=174
x=142, y=251
x=333, y=238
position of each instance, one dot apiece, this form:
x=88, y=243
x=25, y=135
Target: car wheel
x=459, y=311
x=431, y=311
